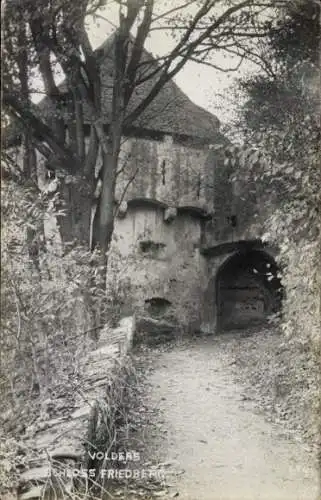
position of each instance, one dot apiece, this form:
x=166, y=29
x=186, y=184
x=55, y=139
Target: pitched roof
x=170, y=112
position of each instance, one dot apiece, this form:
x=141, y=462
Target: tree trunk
x=76, y=203
x=107, y=202
x=103, y=224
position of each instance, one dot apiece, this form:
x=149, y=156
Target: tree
x=281, y=112
x=53, y=34
x=280, y=120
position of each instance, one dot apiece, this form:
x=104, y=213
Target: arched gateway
x=248, y=289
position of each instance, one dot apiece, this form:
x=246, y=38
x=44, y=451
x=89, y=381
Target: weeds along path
x=213, y=442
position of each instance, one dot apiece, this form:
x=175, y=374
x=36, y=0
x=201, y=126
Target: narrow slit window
x=163, y=172
x=198, y=193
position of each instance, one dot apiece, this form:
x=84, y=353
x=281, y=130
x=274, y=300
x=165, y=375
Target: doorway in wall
x=248, y=289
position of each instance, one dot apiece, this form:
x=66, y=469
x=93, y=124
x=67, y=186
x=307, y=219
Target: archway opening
x=157, y=307
x=248, y=290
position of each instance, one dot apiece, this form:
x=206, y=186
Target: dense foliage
x=280, y=124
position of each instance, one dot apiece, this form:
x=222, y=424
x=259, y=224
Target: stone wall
x=165, y=189
x=56, y=440
x=241, y=205
x=170, y=171
x=158, y=263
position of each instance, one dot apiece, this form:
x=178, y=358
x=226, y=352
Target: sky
x=204, y=85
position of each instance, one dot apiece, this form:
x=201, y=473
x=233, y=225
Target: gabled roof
x=171, y=112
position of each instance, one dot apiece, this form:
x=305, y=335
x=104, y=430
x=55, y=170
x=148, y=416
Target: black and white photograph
x=160, y=250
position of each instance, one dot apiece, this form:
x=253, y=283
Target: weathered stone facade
x=170, y=170
x=174, y=233
x=157, y=238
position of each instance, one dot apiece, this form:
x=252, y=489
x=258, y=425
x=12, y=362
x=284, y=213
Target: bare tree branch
x=137, y=50
x=172, y=11
x=188, y=50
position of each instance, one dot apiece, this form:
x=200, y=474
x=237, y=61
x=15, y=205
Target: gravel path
x=216, y=445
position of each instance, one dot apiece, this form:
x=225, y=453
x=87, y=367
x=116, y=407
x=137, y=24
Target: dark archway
x=248, y=289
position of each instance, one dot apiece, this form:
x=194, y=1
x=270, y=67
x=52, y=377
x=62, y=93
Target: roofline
x=108, y=44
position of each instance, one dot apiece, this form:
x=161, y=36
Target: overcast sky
x=204, y=85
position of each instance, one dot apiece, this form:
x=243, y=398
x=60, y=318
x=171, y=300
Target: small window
x=149, y=246
x=232, y=220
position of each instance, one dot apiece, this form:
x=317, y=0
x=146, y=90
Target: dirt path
x=219, y=446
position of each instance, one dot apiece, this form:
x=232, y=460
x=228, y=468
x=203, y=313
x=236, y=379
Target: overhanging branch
x=41, y=131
